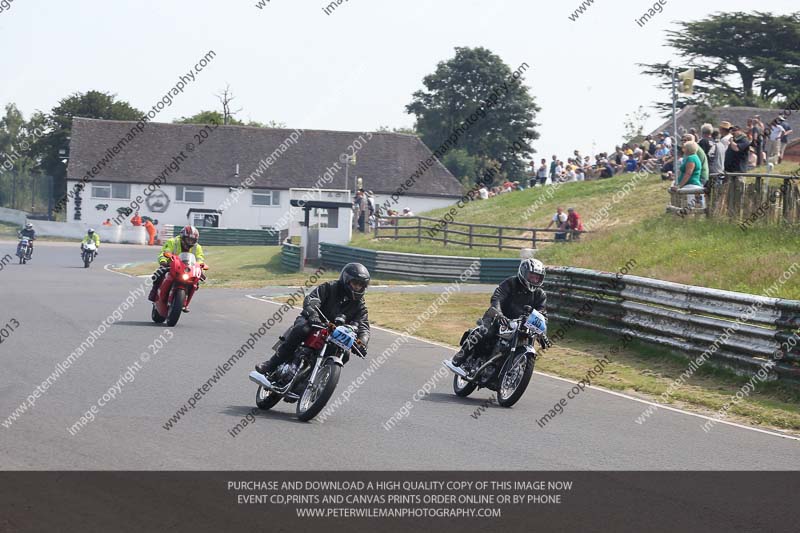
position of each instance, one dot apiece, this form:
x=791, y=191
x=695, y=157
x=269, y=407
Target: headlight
x=185, y=277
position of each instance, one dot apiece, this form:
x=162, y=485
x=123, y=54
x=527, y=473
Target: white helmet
x=531, y=273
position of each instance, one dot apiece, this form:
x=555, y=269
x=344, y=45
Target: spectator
x=574, y=222
x=787, y=130
x=541, y=174
x=630, y=162
x=776, y=132
x=690, y=171
x=483, y=193
x=725, y=133
x=553, y=166
x=560, y=220
x=759, y=140
x=704, y=168
x=107, y=222
x=136, y=220
x=570, y=175
x=407, y=212
x=667, y=141
x=738, y=151
x=646, y=144
x=716, y=156
x=706, y=130
x=662, y=152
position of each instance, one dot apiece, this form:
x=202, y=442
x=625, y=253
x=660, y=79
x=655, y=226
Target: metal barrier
x=232, y=237
x=739, y=331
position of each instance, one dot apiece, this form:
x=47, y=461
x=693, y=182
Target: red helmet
x=189, y=236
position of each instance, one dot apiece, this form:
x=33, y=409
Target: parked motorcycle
x=24, y=250
x=178, y=288
x=88, y=253
x=508, y=368
x=311, y=377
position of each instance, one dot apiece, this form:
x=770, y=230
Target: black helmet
x=531, y=273
x=354, y=274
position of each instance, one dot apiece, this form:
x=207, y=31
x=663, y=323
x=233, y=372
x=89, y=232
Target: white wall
x=77, y=231
x=13, y=216
x=239, y=214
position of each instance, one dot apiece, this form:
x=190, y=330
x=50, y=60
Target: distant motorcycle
x=508, y=368
x=177, y=288
x=24, y=250
x=311, y=377
x=88, y=253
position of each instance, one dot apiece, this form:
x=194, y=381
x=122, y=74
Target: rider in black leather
x=29, y=232
x=344, y=297
x=508, y=302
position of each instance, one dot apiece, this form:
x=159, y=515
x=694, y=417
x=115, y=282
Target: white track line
x=106, y=267
x=607, y=391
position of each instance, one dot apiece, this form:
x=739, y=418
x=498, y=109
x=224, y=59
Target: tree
x=750, y=59
x=463, y=86
x=205, y=117
x=18, y=140
x=406, y=131
x=92, y=104
x=634, y=125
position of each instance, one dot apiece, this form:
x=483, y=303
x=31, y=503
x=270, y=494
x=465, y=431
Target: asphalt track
x=57, y=303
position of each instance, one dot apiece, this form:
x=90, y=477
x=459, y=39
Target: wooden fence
x=470, y=235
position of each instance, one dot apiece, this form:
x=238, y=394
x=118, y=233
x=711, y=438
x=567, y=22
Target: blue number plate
x=537, y=323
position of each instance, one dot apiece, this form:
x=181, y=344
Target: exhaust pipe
x=453, y=368
x=260, y=379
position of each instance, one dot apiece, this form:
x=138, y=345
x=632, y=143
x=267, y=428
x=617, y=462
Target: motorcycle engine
x=286, y=372
x=487, y=375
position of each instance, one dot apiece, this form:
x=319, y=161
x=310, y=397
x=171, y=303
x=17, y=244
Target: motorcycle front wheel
x=462, y=387
x=266, y=399
x=319, y=392
x=514, y=379
x=176, y=307
x=86, y=261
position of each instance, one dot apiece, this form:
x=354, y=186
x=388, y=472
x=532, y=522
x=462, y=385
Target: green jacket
x=704, y=170
x=173, y=246
x=95, y=237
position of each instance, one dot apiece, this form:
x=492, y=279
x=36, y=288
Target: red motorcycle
x=178, y=287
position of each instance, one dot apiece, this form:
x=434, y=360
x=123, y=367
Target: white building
x=237, y=176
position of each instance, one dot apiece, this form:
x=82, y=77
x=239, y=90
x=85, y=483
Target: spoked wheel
x=319, y=392
x=462, y=387
x=266, y=399
x=158, y=319
x=176, y=307
x=514, y=379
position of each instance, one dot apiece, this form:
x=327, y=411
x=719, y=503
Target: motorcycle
x=311, y=377
x=88, y=253
x=508, y=368
x=178, y=287
x=24, y=250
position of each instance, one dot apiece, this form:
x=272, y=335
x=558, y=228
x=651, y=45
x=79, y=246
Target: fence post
x=445, y=236
x=471, y=227
x=396, y=229
x=534, y=239
x=377, y=227
x=419, y=229
x=500, y=239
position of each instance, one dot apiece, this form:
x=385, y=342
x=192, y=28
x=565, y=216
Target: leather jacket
x=333, y=300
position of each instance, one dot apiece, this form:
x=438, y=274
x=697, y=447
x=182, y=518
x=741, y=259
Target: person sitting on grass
x=690, y=172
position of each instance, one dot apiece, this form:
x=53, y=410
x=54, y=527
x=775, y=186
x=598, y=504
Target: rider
x=333, y=298
x=185, y=242
x=91, y=236
x=29, y=232
x=509, y=301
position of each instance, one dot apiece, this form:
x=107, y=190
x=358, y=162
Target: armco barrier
x=741, y=331
x=233, y=237
x=291, y=257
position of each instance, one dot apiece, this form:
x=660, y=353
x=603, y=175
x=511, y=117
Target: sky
x=354, y=69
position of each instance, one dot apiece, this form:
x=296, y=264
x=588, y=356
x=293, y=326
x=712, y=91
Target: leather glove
x=545, y=342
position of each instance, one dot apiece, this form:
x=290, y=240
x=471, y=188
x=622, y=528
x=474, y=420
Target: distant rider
x=344, y=297
x=91, y=236
x=185, y=242
x=30, y=233
x=508, y=302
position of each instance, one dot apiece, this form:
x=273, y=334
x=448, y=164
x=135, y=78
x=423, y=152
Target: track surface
x=57, y=303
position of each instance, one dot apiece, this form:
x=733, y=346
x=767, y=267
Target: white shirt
x=776, y=132
x=484, y=193
x=559, y=219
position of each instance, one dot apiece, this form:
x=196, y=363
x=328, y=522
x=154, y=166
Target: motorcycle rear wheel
x=514, y=379
x=266, y=399
x=319, y=392
x=176, y=307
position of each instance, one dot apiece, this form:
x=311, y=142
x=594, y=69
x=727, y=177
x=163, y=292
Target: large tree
x=215, y=117
x=740, y=58
x=18, y=159
x=92, y=104
x=457, y=89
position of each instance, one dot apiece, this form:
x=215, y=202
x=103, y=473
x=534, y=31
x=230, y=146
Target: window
x=189, y=194
x=202, y=220
x=114, y=191
x=266, y=198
